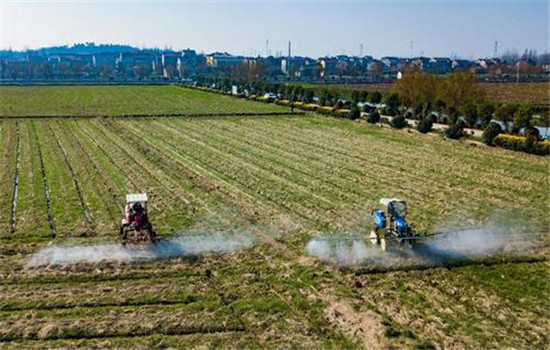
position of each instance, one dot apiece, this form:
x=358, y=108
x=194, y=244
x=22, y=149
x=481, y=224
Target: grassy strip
x=65, y=202
x=74, y=177
x=120, y=101
x=96, y=199
x=31, y=219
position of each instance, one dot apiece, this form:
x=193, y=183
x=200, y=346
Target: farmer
x=140, y=216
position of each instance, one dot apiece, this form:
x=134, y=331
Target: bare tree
x=63, y=69
x=46, y=70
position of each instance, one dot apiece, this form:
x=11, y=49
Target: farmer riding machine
x=390, y=223
x=135, y=226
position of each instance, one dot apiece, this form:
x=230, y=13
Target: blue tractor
x=390, y=223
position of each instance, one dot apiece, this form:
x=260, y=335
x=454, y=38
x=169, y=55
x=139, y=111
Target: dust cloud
x=448, y=247
x=182, y=246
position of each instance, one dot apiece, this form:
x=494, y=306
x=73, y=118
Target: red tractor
x=135, y=226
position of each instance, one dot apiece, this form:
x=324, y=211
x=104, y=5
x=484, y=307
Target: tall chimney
x=289, y=47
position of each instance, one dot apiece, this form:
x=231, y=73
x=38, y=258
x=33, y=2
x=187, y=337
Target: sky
x=464, y=28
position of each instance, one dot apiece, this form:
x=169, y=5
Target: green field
x=120, y=100
x=285, y=180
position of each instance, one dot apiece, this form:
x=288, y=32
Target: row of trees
x=456, y=99
x=456, y=95
x=459, y=100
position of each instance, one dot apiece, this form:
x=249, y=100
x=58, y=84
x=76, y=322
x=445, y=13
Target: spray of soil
x=184, y=246
x=449, y=247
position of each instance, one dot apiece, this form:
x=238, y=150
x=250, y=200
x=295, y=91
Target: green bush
x=399, y=122
x=375, y=97
x=354, y=113
x=485, y=113
x=522, y=118
x=531, y=132
x=424, y=126
x=454, y=132
x=505, y=113
x=432, y=118
x=374, y=117
x=470, y=115
x=489, y=134
x=392, y=104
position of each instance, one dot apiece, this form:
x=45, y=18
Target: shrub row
x=523, y=144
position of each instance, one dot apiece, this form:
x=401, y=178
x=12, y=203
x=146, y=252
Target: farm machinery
x=135, y=227
x=390, y=222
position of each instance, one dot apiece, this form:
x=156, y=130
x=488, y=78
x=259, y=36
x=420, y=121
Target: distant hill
x=87, y=48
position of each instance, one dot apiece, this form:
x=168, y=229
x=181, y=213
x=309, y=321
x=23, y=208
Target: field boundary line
x=186, y=330
x=92, y=305
x=13, y=222
x=167, y=115
x=486, y=262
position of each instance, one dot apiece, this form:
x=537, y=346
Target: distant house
x=274, y=65
x=169, y=63
x=392, y=63
x=328, y=65
x=461, y=65
x=188, y=61
x=437, y=65
x=105, y=59
x=219, y=60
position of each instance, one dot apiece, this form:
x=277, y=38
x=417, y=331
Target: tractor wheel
x=123, y=234
x=151, y=234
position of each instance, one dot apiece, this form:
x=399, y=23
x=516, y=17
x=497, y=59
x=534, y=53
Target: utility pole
x=361, y=50
x=495, y=50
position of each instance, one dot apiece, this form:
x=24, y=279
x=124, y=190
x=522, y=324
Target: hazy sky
x=316, y=28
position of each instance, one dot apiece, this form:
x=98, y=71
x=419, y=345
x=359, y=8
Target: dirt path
x=364, y=326
x=436, y=126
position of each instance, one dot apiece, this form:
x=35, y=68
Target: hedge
x=310, y=107
x=283, y=102
x=325, y=110
x=341, y=113
x=523, y=144
x=299, y=105
x=264, y=99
